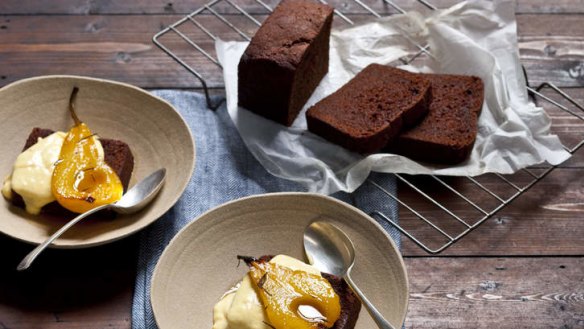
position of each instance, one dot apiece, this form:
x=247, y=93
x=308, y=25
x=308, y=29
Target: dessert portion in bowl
x=68, y=172
x=283, y=292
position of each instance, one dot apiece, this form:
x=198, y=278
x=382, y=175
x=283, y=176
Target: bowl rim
x=191, y=144
x=326, y=198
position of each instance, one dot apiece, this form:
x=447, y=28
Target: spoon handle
x=377, y=317
x=27, y=261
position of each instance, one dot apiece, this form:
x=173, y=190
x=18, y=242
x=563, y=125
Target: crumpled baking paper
x=473, y=38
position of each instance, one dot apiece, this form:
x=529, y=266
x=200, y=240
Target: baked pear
x=82, y=180
x=284, y=291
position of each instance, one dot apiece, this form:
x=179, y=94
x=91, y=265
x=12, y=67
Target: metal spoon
x=331, y=251
x=134, y=200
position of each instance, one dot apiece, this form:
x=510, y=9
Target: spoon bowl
x=132, y=201
x=141, y=194
x=330, y=250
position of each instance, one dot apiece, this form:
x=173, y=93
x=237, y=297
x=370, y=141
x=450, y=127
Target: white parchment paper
x=474, y=38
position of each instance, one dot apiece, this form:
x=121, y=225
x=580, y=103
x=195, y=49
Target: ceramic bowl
x=200, y=264
x=155, y=132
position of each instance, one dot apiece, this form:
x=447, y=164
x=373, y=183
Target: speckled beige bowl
x=155, y=132
x=200, y=264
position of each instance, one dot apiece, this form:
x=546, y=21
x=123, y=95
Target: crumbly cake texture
x=285, y=60
x=350, y=304
x=447, y=134
x=117, y=155
x=370, y=110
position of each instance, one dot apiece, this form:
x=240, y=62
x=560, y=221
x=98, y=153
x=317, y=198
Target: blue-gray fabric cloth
x=225, y=170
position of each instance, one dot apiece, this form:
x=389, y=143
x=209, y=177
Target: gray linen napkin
x=224, y=171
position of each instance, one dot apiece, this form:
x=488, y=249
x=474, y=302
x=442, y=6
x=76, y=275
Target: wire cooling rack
x=436, y=211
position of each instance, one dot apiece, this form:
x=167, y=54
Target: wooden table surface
x=522, y=268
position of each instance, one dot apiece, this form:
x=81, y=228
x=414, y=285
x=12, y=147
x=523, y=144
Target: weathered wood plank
x=558, y=52
x=496, y=293
x=545, y=220
x=120, y=48
x=446, y=292
x=83, y=7
x=87, y=288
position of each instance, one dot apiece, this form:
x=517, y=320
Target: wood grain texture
x=465, y=292
x=84, y=288
x=503, y=293
x=84, y=7
x=546, y=220
x=119, y=47
x=112, y=39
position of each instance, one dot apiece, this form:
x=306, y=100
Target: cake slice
x=370, y=110
x=285, y=60
x=350, y=304
x=447, y=134
x=117, y=155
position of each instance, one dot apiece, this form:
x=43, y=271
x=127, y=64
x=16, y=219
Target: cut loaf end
x=370, y=110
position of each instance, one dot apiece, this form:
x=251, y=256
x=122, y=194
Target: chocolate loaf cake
x=370, y=110
x=285, y=60
x=350, y=304
x=117, y=155
x=447, y=134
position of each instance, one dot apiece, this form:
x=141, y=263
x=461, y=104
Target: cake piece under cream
x=33, y=170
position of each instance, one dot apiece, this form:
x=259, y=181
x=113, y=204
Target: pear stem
x=72, y=100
